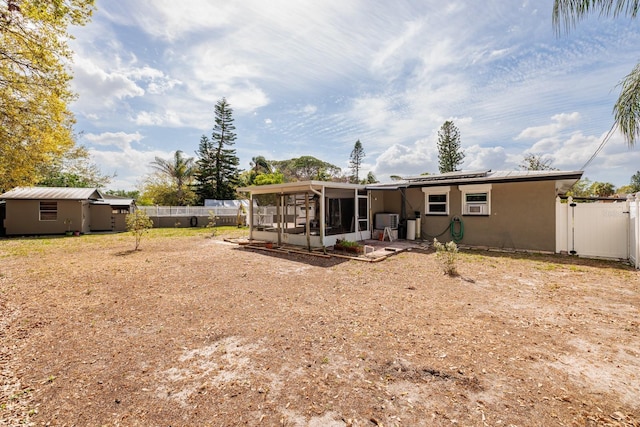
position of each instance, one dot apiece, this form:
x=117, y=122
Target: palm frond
x=627, y=108
x=567, y=13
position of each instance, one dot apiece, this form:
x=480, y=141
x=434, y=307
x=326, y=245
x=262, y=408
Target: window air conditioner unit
x=384, y=220
x=476, y=209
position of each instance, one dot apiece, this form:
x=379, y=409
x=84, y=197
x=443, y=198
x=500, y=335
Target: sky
x=310, y=77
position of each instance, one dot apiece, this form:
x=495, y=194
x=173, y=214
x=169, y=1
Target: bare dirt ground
x=195, y=331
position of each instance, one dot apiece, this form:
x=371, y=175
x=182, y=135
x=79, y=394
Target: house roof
x=564, y=179
x=299, y=187
x=52, y=193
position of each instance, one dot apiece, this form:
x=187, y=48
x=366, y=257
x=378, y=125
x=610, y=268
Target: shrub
x=138, y=222
x=447, y=254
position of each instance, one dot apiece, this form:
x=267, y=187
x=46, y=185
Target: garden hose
x=456, y=235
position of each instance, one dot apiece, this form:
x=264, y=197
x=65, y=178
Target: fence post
x=636, y=249
x=571, y=238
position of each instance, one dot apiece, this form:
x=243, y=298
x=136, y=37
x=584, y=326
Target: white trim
x=483, y=208
x=436, y=191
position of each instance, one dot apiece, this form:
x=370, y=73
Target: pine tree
x=449, y=153
x=218, y=171
x=355, y=161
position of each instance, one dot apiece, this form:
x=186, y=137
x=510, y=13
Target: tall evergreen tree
x=218, y=171
x=449, y=153
x=355, y=161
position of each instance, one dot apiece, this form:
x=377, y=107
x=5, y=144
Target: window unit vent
x=384, y=220
x=475, y=209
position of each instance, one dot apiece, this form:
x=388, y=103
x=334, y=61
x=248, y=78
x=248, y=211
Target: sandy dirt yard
x=192, y=331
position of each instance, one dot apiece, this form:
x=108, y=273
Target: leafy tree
x=355, y=161
x=535, y=162
x=635, y=182
x=128, y=194
x=396, y=178
x=158, y=189
x=74, y=169
x=602, y=189
x=581, y=188
x=35, y=122
x=138, y=223
x=450, y=155
x=307, y=168
x=370, y=179
x=259, y=166
x=179, y=171
x=566, y=14
x=218, y=172
x=269, y=178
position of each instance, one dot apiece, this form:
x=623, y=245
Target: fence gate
x=594, y=229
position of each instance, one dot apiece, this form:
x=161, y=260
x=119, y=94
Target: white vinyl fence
x=600, y=230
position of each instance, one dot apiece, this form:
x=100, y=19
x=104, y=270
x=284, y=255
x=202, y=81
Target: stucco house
x=56, y=210
x=495, y=209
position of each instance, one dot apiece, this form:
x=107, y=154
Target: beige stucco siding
x=23, y=217
x=522, y=215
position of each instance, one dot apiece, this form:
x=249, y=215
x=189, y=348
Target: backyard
x=193, y=330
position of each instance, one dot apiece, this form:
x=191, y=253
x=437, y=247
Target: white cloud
x=560, y=122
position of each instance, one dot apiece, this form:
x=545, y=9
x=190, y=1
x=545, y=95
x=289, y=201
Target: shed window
x=436, y=200
x=48, y=211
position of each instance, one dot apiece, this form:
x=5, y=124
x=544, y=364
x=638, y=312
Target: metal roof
x=52, y=193
x=299, y=187
x=487, y=176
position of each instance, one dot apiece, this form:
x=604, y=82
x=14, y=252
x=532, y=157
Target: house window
x=436, y=200
x=48, y=211
x=476, y=199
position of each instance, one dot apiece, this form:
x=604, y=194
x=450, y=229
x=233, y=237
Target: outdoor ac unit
x=475, y=209
x=384, y=220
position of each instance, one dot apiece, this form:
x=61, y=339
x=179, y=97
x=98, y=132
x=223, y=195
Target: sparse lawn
x=191, y=330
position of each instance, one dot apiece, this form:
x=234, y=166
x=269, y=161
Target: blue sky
x=312, y=77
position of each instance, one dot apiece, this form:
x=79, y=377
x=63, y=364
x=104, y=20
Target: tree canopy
x=306, y=168
x=35, y=122
x=535, y=162
x=626, y=110
x=178, y=172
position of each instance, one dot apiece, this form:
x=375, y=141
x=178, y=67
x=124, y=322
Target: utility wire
x=600, y=147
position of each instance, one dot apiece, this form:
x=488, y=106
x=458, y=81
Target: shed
x=56, y=210
x=308, y=213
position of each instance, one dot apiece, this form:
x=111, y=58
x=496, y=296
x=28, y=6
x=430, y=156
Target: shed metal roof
x=52, y=193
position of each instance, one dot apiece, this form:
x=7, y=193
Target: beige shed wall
x=23, y=217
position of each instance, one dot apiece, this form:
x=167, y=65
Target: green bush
x=447, y=254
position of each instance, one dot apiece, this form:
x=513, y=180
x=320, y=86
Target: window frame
x=49, y=209
x=476, y=189
x=437, y=191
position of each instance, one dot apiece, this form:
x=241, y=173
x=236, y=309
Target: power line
x=600, y=147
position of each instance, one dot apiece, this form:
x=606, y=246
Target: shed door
x=101, y=218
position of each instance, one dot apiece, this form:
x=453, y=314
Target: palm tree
x=260, y=164
x=180, y=170
x=566, y=13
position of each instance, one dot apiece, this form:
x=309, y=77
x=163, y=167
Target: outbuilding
x=58, y=210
